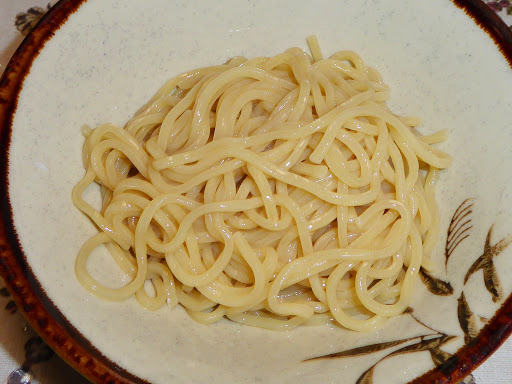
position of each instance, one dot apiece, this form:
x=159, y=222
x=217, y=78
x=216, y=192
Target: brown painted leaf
x=422, y=323
x=459, y=227
x=432, y=344
x=439, y=357
x=456, y=242
x=485, y=262
x=467, y=319
x=460, y=233
x=492, y=282
x=367, y=349
x=477, y=265
x=367, y=376
x=484, y=320
x=487, y=245
x=424, y=345
x=435, y=285
x=502, y=244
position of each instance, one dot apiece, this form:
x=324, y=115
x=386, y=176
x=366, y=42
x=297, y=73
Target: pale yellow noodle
x=274, y=192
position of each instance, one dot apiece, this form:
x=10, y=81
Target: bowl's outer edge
x=52, y=325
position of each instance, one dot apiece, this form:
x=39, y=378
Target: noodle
x=274, y=191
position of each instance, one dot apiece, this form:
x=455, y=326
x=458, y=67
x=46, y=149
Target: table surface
x=24, y=357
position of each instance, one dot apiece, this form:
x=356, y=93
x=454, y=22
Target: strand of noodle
x=95, y=216
x=108, y=293
x=293, y=179
x=433, y=232
x=407, y=284
x=350, y=109
x=341, y=317
x=390, y=271
x=201, y=104
x=164, y=287
x=314, y=47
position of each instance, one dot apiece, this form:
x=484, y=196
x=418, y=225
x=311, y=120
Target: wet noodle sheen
x=272, y=191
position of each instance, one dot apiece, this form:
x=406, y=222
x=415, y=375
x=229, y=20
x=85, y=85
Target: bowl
x=89, y=62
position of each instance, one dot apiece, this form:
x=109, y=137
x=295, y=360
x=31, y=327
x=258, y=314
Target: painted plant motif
x=431, y=343
x=467, y=320
x=459, y=229
x=434, y=285
x=486, y=262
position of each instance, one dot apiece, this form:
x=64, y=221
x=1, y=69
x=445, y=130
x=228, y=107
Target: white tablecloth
x=24, y=357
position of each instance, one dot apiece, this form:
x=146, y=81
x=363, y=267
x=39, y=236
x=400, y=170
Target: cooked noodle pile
x=274, y=192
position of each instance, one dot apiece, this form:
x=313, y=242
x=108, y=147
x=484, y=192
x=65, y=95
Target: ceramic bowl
x=93, y=61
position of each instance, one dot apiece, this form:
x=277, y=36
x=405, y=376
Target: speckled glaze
x=102, y=60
